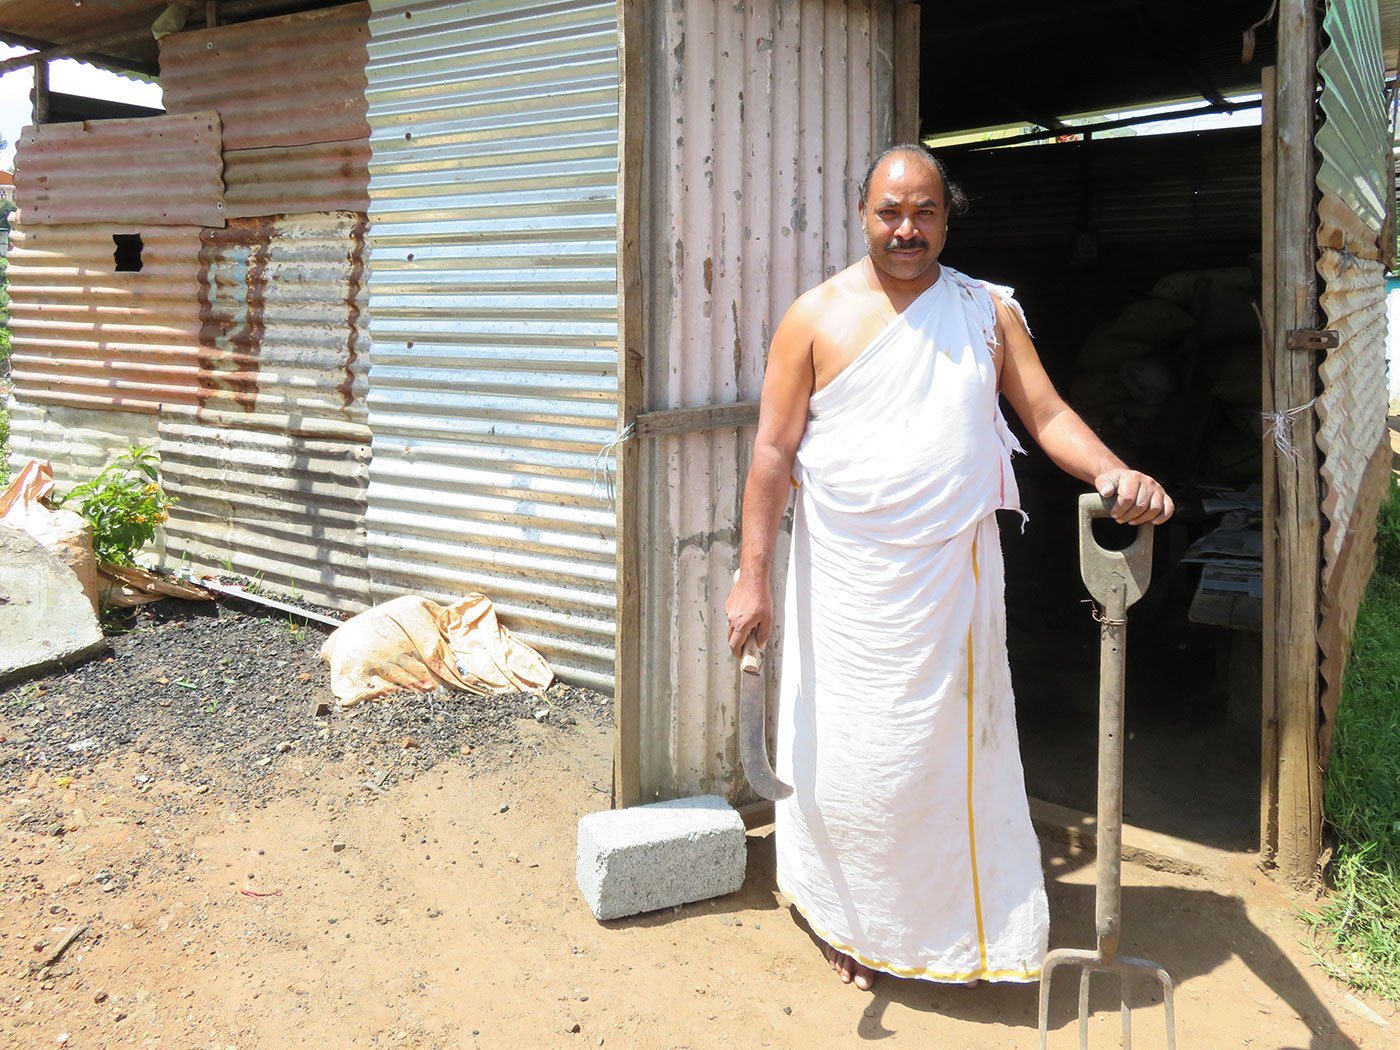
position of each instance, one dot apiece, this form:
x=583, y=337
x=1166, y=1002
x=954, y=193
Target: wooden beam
x=211, y=14
x=41, y=92
x=906, y=71
x=691, y=420
x=1268, y=751
x=627, y=667
x=89, y=51
x=1297, y=523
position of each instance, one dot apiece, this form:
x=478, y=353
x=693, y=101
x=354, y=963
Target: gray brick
x=648, y=857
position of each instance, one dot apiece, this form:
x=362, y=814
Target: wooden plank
x=1298, y=545
x=41, y=92
x=1268, y=751
x=627, y=667
x=703, y=417
x=1151, y=849
x=906, y=71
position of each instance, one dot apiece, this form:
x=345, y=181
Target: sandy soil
x=441, y=912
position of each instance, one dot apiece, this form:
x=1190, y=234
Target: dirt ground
x=312, y=901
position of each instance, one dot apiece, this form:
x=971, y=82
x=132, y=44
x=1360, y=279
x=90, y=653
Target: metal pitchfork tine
x=1115, y=579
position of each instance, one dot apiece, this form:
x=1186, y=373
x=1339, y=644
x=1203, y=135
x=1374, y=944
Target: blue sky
x=64, y=75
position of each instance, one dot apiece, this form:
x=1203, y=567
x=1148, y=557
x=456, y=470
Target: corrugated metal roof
x=765, y=116
x=321, y=177
x=493, y=306
x=286, y=81
x=89, y=337
x=285, y=509
x=281, y=306
x=151, y=170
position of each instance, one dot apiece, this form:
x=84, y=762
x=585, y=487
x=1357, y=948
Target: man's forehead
x=903, y=176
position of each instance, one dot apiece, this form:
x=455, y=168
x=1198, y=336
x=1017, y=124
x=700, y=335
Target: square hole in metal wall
x=128, y=252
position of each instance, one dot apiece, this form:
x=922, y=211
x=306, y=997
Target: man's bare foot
x=850, y=971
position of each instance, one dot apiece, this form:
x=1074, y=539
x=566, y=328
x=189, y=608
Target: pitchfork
x=1115, y=579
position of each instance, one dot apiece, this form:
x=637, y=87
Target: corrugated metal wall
x=87, y=336
x=1353, y=143
x=763, y=118
x=84, y=172
x=493, y=312
x=240, y=348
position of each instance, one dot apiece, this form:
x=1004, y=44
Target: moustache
x=898, y=242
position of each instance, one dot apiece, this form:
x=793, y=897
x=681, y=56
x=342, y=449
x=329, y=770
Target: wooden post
x=41, y=92
x=211, y=14
x=627, y=669
x=1268, y=307
x=1297, y=539
x=906, y=71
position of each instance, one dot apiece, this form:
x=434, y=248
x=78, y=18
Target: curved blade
x=753, y=723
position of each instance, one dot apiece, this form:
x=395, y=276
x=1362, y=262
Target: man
x=907, y=844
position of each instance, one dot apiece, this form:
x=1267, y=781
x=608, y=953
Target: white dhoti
x=907, y=842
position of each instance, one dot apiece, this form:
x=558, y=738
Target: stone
x=660, y=855
x=45, y=617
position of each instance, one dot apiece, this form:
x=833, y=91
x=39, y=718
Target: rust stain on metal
x=230, y=340
x=353, y=289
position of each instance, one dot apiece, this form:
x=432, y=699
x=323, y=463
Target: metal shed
x=475, y=294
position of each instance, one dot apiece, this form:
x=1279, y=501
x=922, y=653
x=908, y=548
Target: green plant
x=226, y=562
x=4, y=442
x=292, y=592
x=1360, y=920
x=125, y=504
x=296, y=630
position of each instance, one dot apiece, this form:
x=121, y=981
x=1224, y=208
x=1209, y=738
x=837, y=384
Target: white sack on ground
x=66, y=533
x=413, y=643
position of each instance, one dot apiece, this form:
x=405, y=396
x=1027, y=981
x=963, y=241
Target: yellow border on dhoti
x=981, y=973
x=971, y=824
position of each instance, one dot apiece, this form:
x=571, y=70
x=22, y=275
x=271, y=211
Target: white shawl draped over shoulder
x=907, y=842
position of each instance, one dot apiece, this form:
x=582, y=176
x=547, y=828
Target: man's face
x=904, y=217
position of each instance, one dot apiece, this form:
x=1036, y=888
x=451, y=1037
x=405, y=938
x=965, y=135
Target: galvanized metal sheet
x=314, y=60
x=765, y=116
x=77, y=442
x=87, y=336
x=1354, y=136
x=320, y=177
x=493, y=313
x=285, y=509
x=282, y=325
x=1354, y=175
x=162, y=171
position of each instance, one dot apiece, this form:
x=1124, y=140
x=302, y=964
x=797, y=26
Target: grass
x=1360, y=921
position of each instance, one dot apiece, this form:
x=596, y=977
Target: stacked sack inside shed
x=1180, y=366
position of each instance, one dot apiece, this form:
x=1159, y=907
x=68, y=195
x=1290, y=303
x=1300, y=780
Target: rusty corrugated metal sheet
x=1354, y=177
x=282, y=325
x=89, y=337
x=161, y=171
x=285, y=509
x=494, y=317
x=286, y=81
x=321, y=177
x=766, y=115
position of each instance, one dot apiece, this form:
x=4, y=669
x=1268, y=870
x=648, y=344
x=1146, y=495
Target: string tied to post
x=602, y=468
x=1278, y=428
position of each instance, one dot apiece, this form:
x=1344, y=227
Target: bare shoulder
x=817, y=302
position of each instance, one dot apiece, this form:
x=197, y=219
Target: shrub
x=125, y=504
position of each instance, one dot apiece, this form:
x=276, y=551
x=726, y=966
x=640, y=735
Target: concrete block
x=45, y=618
x=660, y=855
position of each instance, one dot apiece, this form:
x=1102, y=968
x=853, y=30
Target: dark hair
x=954, y=197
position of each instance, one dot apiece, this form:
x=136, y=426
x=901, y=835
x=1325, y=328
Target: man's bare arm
x=1066, y=438
x=782, y=419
